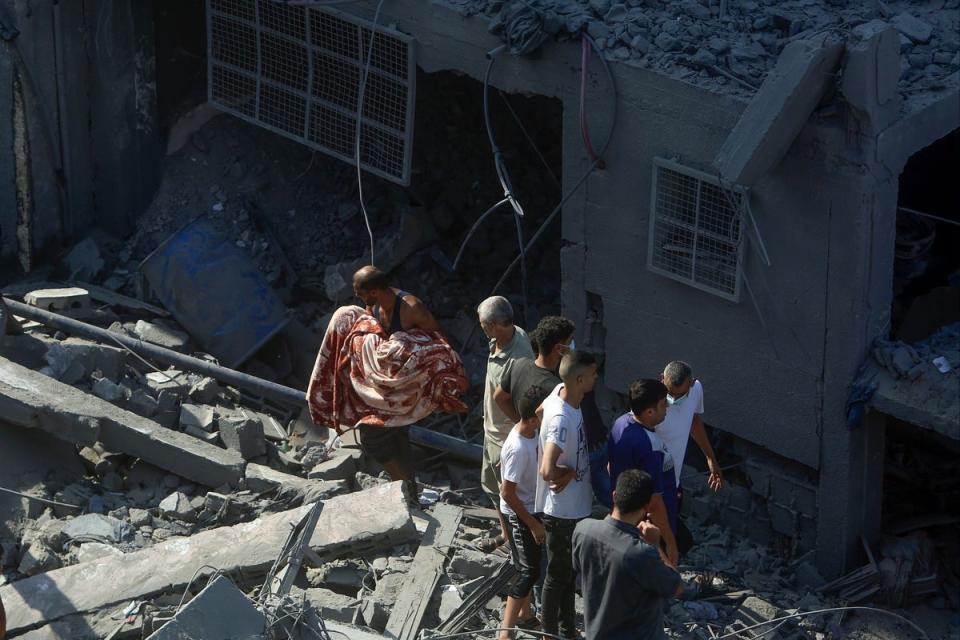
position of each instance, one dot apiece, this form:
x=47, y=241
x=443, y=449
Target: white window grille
x=296, y=71
x=696, y=229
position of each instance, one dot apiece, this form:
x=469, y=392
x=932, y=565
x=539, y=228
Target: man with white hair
x=684, y=420
x=508, y=342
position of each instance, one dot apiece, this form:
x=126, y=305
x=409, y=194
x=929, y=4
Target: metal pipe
x=277, y=392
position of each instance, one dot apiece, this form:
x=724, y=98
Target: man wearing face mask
x=684, y=421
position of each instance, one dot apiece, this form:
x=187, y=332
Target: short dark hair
x=370, y=278
x=633, y=491
x=575, y=362
x=551, y=331
x=645, y=394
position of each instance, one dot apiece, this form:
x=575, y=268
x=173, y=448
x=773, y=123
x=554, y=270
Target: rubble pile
x=730, y=46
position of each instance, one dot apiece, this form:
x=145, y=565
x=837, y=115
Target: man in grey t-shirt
x=625, y=574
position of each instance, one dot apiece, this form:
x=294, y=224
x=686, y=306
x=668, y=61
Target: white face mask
x=676, y=402
x=573, y=345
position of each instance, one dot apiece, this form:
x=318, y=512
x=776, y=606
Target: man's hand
x=539, y=533
x=650, y=533
x=563, y=478
x=715, y=481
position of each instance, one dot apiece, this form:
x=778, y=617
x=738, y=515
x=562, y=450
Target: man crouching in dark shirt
x=625, y=575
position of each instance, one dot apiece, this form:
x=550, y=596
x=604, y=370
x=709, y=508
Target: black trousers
x=525, y=553
x=559, y=589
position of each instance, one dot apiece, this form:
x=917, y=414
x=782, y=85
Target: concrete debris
x=93, y=527
x=106, y=389
x=91, y=551
x=71, y=360
x=161, y=335
x=330, y=605
x=177, y=505
x=260, y=478
x=36, y=559
x=244, y=434
x=914, y=28
x=205, y=391
x=197, y=416
x=778, y=111
x=171, y=381
x=336, y=468
x=70, y=301
x=378, y=518
x=32, y=400
x=220, y=611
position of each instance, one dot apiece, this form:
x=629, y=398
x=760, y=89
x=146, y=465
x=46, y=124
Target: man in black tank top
x=395, y=310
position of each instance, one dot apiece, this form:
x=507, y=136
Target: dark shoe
x=530, y=624
x=489, y=545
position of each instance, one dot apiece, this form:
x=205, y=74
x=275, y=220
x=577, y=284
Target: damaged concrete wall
x=89, y=149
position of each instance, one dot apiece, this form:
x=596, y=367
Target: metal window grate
x=695, y=229
x=296, y=71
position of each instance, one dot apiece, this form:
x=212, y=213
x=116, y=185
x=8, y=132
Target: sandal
x=489, y=545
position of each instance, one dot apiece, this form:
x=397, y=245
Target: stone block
x=914, y=28
x=108, y=390
x=220, y=611
x=98, y=528
x=140, y=518
x=244, y=435
x=177, y=505
x=142, y=403
x=198, y=416
x=738, y=497
x=36, y=559
x=473, y=564
x=71, y=301
x=171, y=380
x=161, y=335
x=205, y=391
x=759, y=478
x=73, y=359
x=337, y=468
x=871, y=73
x=330, y=605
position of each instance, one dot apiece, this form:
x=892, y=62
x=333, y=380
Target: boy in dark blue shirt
x=634, y=444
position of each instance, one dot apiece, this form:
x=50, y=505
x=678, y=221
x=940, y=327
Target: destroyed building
x=763, y=189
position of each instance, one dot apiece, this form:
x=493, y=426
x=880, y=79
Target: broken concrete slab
x=244, y=435
x=779, y=110
x=160, y=334
x=177, y=505
x=172, y=381
x=72, y=359
x=871, y=72
x=97, y=528
x=95, y=550
x=336, y=468
x=205, y=391
x=198, y=416
x=220, y=611
x=377, y=518
x=410, y=605
x=330, y=605
x=70, y=301
x=108, y=390
x=30, y=399
x=37, y=559
x=260, y=478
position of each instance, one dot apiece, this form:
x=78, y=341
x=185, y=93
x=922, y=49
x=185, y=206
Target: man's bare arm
x=556, y=475
x=505, y=401
x=699, y=434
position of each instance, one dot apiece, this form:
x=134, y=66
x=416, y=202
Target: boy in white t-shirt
x=519, y=466
x=564, y=493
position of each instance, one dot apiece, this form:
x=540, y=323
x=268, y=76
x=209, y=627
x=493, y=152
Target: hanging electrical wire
x=359, y=127
x=583, y=178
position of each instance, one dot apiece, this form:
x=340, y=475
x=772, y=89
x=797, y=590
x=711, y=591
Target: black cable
x=581, y=180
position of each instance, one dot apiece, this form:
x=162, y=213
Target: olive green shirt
x=496, y=425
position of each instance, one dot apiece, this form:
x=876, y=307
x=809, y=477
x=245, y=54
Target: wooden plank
x=428, y=564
